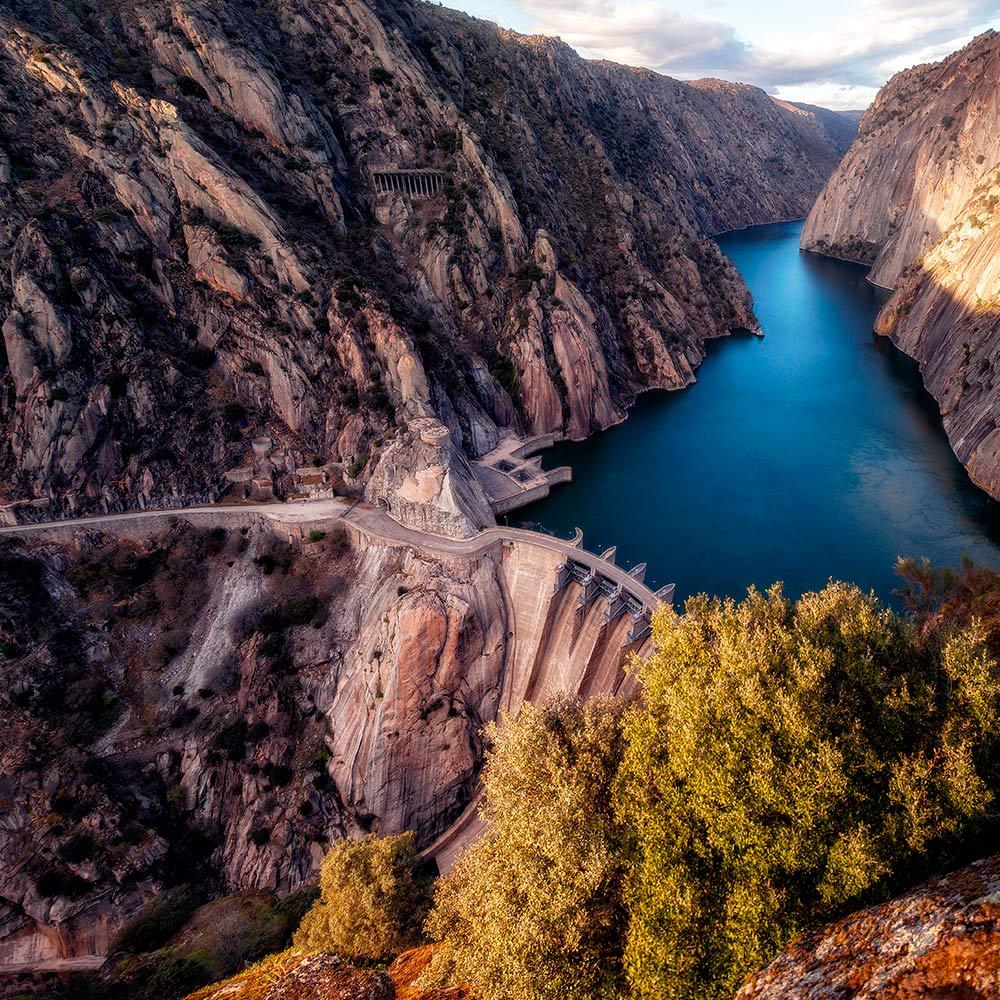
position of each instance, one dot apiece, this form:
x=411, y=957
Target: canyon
x=916, y=199
x=210, y=289
x=270, y=252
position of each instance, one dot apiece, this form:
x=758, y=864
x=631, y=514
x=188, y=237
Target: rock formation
x=216, y=705
x=940, y=940
x=295, y=976
x=916, y=198
x=196, y=255
x=423, y=479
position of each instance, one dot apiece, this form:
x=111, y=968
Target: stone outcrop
x=294, y=976
x=916, y=198
x=940, y=940
x=196, y=251
x=423, y=479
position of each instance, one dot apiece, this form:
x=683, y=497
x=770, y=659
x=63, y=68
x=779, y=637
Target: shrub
x=117, y=384
x=56, y=882
x=278, y=774
x=234, y=413
x=232, y=740
x=448, y=141
x=530, y=272
x=175, y=977
x=316, y=535
x=158, y=921
x=202, y=357
x=533, y=909
x=374, y=897
x=806, y=759
x=298, y=611
x=78, y=848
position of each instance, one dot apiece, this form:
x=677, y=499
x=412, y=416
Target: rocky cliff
x=916, y=198
x=220, y=273
x=941, y=940
x=213, y=703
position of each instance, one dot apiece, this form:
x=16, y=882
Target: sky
x=835, y=53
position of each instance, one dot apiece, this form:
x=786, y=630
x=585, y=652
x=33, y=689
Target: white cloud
x=860, y=45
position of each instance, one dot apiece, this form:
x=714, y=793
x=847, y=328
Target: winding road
x=374, y=523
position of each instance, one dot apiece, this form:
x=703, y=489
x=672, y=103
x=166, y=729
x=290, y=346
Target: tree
x=374, y=898
x=789, y=762
x=533, y=909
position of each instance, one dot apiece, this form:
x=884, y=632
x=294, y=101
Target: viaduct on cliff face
x=415, y=183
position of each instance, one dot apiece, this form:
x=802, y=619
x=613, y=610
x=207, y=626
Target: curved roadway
x=371, y=521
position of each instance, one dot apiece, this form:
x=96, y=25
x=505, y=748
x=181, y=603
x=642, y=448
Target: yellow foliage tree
x=532, y=910
x=790, y=761
x=374, y=898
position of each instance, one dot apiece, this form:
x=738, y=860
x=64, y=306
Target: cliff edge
x=916, y=199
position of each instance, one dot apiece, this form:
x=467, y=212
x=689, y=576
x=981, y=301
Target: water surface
x=813, y=452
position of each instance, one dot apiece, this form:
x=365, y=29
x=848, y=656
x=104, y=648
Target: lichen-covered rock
x=298, y=976
x=940, y=940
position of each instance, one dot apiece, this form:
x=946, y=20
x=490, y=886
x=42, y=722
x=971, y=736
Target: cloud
x=858, y=49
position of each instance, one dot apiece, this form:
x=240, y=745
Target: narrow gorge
x=211, y=289
x=305, y=308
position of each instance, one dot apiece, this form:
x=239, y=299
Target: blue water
x=812, y=453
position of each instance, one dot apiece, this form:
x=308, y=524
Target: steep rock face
x=205, y=707
x=945, y=312
x=941, y=940
x=916, y=197
x=197, y=251
x=922, y=150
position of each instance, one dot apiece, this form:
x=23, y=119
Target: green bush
x=806, y=758
x=374, y=897
x=533, y=909
x=175, y=977
x=190, y=87
x=78, y=848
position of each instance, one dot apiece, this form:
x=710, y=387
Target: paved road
x=373, y=522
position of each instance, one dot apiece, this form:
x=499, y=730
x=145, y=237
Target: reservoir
x=812, y=453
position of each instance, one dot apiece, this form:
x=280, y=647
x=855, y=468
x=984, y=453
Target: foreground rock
x=293, y=976
x=917, y=198
x=941, y=940
x=210, y=280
